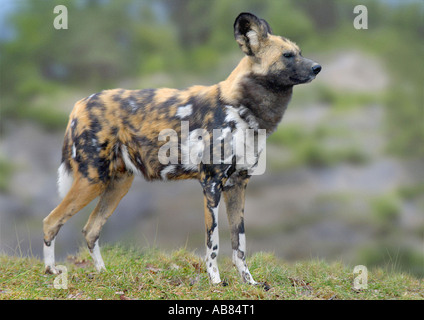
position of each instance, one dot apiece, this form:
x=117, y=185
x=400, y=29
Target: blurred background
x=345, y=170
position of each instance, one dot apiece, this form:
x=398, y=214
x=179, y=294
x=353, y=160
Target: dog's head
x=275, y=59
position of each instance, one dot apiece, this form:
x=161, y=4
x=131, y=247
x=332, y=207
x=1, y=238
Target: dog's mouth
x=304, y=80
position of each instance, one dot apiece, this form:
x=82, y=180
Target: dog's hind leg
x=234, y=195
x=109, y=200
x=80, y=194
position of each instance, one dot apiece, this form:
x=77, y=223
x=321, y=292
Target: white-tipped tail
x=64, y=180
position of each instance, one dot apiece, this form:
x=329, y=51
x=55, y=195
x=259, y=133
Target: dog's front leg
x=212, y=240
x=234, y=195
x=212, y=193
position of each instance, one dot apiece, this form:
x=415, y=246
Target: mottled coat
x=114, y=134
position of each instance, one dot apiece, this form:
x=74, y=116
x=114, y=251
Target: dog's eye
x=288, y=54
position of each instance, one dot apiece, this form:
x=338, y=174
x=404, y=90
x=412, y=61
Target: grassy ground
x=152, y=274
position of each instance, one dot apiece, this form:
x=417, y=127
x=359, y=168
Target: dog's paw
x=52, y=270
x=264, y=285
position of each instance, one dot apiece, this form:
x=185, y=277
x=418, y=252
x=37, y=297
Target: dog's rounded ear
x=266, y=26
x=250, y=31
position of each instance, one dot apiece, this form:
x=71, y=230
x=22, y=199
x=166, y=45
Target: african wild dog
x=113, y=135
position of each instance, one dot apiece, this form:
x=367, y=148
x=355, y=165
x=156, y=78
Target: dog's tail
x=64, y=179
x=65, y=173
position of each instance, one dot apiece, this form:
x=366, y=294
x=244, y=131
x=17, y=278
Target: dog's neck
x=267, y=105
x=265, y=100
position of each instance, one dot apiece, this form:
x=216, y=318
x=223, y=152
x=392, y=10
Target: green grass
x=153, y=274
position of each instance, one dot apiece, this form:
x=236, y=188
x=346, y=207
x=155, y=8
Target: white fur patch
x=133, y=105
x=166, y=170
x=49, y=260
x=64, y=180
x=224, y=133
x=48, y=252
x=211, y=263
x=191, y=167
x=244, y=147
x=74, y=151
x=184, y=111
x=128, y=163
x=97, y=257
x=253, y=38
x=240, y=263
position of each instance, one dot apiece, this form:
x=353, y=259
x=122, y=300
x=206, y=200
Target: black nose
x=316, y=68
